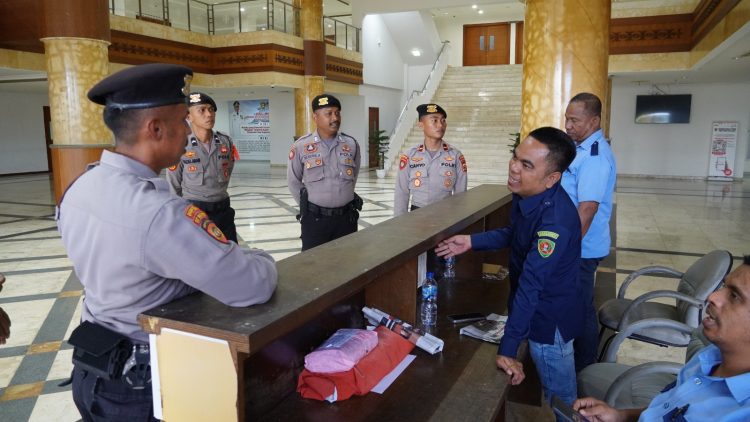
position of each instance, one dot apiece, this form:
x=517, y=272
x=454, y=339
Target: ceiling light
x=264, y=7
x=481, y=12
x=242, y=9
x=330, y=26
x=416, y=52
x=473, y=6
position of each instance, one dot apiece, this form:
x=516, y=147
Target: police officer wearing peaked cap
x=431, y=171
x=202, y=175
x=321, y=174
x=134, y=245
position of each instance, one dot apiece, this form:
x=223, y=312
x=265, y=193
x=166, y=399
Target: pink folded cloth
x=341, y=351
x=366, y=374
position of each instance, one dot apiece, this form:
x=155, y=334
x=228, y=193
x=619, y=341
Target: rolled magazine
x=424, y=341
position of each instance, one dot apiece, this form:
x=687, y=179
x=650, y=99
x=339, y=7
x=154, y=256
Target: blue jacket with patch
x=544, y=237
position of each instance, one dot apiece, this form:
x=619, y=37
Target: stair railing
x=408, y=114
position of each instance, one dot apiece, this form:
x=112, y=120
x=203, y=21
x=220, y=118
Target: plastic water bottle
x=429, y=301
x=449, y=269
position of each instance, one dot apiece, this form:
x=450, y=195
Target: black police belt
x=211, y=206
x=354, y=205
x=111, y=355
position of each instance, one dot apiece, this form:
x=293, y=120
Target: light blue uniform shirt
x=710, y=398
x=591, y=177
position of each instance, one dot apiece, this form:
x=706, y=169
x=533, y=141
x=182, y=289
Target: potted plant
x=516, y=139
x=381, y=142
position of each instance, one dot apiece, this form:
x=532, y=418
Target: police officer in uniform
x=431, y=171
x=322, y=172
x=202, y=175
x=544, y=237
x=134, y=245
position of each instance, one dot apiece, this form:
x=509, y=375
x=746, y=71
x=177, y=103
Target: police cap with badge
x=198, y=98
x=143, y=86
x=426, y=109
x=325, y=100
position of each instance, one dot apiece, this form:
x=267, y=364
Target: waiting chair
x=625, y=387
x=699, y=281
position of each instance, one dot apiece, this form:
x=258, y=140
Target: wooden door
x=373, y=127
x=486, y=44
x=519, y=42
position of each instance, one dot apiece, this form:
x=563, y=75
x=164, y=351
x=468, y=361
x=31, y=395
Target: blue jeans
x=587, y=343
x=556, y=368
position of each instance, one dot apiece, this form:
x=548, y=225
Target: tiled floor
x=658, y=222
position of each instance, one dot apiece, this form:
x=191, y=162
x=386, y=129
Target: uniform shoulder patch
x=402, y=160
x=172, y=168
x=545, y=233
x=463, y=163
x=200, y=219
x=545, y=247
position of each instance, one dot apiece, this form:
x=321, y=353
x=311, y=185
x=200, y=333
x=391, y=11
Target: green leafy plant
x=381, y=142
x=516, y=139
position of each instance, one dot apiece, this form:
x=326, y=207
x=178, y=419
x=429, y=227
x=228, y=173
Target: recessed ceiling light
x=242, y=9
x=473, y=6
x=264, y=7
x=481, y=12
x=416, y=52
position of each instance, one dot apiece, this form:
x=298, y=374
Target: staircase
x=484, y=108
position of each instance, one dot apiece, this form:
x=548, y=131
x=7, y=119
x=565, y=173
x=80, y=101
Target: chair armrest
x=627, y=331
x=654, y=269
x=627, y=377
x=626, y=315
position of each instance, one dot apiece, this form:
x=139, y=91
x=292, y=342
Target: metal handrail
x=407, y=106
x=356, y=33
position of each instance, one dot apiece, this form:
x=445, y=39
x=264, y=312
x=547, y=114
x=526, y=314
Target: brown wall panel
x=341, y=70
x=138, y=49
x=20, y=25
x=76, y=18
x=315, y=58
x=651, y=34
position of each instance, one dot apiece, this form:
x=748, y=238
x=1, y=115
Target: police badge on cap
x=144, y=86
x=426, y=109
x=325, y=100
x=197, y=98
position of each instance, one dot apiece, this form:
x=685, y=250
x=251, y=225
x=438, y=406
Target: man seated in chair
x=715, y=384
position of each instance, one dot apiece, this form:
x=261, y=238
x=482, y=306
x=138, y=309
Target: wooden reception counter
x=216, y=362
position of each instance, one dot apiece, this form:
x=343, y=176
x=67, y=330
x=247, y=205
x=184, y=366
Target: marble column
x=566, y=51
x=76, y=38
x=311, y=28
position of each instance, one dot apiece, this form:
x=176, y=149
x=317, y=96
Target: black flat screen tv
x=662, y=108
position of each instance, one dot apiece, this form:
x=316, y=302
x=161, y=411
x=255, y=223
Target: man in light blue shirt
x=590, y=183
x=715, y=384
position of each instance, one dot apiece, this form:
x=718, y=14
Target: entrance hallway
x=659, y=221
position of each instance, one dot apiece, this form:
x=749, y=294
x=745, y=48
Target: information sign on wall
x=723, y=149
x=250, y=127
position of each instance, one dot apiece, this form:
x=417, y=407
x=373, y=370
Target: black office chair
x=699, y=281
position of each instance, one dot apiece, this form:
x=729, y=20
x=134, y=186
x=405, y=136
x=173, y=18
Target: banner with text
x=250, y=126
x=723, y=149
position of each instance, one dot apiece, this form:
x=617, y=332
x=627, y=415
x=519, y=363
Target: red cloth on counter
x=365, y=375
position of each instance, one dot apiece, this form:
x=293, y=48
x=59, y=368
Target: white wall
x=677, y=150
x=382, y=63
x=282, y=121
x=22, y=135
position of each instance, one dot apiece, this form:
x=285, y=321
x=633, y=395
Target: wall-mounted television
x=662, y=108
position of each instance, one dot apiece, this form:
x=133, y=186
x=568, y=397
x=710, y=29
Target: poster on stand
x=723, y=150
x=250, y=128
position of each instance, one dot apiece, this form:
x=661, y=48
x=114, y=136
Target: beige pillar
x=76, y=38
x=566, y=51
x=311, y=28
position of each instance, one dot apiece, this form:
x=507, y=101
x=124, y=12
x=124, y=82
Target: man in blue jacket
x=544, y=237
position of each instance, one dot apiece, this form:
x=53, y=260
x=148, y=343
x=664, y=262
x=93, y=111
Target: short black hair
x=746, y=260
x=591, y=103
x=122, y=123
x=561, y=147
